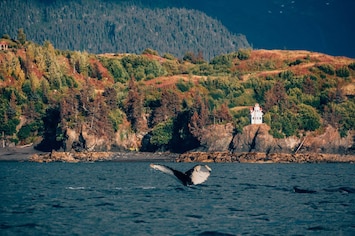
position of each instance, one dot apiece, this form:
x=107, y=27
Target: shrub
x=69, y=81
x=150, y=51
x=203, y=69
x=9, y=127
x=24, y=132
x=217, y=94
x=171, y=67
x=286, y=75
x=309, y=118
x=116, y=118
x=162, y=133
x=289, y=123
x=328, y=69
x=295, y=63
x=345, y=111
x=276, y=134
x=184, y=86
x=169, y=56
x=222, y=60
x=243, y=54
x=140, y=67
x=342, y=72
x=116, y=69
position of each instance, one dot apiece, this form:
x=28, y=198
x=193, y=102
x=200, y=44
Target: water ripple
x=128, y=199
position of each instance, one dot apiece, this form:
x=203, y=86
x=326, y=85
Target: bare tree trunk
x=3, y=139
x=301, y=144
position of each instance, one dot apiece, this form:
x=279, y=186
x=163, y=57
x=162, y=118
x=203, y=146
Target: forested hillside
x=119, y=26
x=76, y=100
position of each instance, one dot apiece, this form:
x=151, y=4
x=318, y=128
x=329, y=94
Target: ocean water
x=130, y=198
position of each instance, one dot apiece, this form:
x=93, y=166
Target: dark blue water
x=118, y=198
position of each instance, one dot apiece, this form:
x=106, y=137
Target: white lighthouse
x=256, y=114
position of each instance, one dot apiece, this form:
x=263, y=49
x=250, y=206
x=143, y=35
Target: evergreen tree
x=134, y=106
x=21, y=36
x=169, y=107
x=200, y=116
x=276, y=96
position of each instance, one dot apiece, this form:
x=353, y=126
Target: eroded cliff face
x=256, y=138
x=329, y=142
x=217, y=138
x=124, y=139
x=221, y=138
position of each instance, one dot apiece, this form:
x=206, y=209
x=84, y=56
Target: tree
x=343, y=72
x=222, y=114
x=169, y=107
x=341, y=116
x=134, y=106
x=52, y=139
x=309, y=86
x=116, y=69
x=243, y=54
x=21, y=36
x=182, y=139
x=162, y=133
x=308, y=117
x=99, y=118
x=276, y=96
x=200, y=116
x=289, y=123
x=69, y=111
x=110, y=95
x=6, y=36
x=24, y=132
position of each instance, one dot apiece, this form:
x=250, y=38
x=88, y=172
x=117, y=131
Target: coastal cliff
x=219, y=144
x=256, y=138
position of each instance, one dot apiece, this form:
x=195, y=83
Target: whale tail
x=196, y=175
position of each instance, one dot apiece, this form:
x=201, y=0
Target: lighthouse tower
x=256, y=114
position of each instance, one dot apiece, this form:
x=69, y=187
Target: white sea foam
x=75, y=188
x=147, y=187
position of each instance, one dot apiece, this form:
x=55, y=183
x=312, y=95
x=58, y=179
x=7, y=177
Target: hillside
x=66, y=100
x=119, y=26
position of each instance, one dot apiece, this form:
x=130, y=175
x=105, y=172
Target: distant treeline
x=119, y=26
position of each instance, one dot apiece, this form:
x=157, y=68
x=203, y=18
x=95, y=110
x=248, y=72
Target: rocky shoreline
x=74, y=157
x=30, y=154
x=254, y=157
x=216, y=157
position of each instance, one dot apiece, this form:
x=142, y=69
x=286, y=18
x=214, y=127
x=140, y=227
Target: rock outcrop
x=83, y=140
x=217, y=137
x=256, y=145
x=221, y=138
x=256, y=138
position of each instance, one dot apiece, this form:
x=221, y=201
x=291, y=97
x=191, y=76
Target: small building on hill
x=4, y=45
x=256, y=114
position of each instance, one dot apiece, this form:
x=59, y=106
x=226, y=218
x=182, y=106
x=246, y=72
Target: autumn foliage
x=166, y=103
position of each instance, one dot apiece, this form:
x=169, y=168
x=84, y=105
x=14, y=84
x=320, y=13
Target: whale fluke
x=196, y=175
